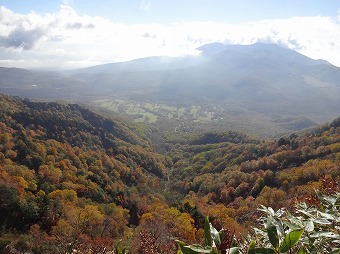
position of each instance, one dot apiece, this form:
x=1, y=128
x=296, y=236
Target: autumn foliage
x=72, y=179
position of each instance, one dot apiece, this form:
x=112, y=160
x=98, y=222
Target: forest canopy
x=74, y=179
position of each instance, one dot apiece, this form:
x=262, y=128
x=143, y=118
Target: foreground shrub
x=313, y=227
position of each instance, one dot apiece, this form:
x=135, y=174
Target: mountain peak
x=212, y=48
x=259, y=49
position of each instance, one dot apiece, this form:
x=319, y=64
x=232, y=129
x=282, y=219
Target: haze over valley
x=262, y=89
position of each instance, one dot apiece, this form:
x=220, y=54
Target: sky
x=68, y=34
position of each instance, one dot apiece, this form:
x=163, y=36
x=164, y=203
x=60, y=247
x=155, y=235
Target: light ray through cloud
x=71, y=40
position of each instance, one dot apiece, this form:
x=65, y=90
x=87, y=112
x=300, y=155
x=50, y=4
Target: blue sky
x=78, y=33
x=165, y=11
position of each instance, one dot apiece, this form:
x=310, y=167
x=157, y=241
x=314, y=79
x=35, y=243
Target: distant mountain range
x=259, y=79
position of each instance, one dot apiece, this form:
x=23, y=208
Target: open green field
x=149, y=113
x=194, y=118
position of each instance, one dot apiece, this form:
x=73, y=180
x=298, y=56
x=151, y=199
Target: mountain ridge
x=260, y=81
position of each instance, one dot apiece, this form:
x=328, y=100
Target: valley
x=140, y=153
x=61, y=161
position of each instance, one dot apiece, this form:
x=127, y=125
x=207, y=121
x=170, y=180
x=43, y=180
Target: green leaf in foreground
x=302, y=251
x=184, y=249
x=290, y=240
x=198, y=248
x=215, y=236
x=207, y=233
x=233, y=250
x=264, y=251
x=272, y=234
x=251, y=248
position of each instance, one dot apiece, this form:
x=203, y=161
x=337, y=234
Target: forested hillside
x=72, y=179
x=240, y=173
x=67, y=172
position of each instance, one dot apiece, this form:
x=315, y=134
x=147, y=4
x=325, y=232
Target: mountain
x=261, y=50
x=263, y=89
x=141, y=64
x=41, y=85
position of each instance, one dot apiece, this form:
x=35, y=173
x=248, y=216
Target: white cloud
x=66, y=39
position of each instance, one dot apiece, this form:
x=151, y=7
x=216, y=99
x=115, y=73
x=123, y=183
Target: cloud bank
x=66, y=39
